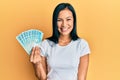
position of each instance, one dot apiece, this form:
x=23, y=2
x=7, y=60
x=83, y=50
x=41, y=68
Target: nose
x=64, y=23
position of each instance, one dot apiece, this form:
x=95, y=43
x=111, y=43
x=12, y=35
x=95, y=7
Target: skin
x=65, y=25
x=39, y=64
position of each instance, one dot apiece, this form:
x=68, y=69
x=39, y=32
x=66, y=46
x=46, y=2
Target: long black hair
x=56, y=33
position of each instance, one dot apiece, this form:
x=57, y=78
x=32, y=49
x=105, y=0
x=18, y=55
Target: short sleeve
x=85, y=49
x=43, y=47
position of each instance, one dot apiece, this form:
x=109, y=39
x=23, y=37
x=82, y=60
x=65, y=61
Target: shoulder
x=47, y=42
x=84, y=46
x=81, y=41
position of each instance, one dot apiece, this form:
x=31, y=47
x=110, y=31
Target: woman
x=63, y=56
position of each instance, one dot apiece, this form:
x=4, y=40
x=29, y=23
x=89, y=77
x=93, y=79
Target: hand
x=35, y=56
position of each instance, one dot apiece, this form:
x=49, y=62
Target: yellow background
x=98, y=21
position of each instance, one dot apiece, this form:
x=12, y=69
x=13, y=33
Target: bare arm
x=39, y=64
x=83, y=67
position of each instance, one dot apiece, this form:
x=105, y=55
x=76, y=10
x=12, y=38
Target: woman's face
x=65, y=22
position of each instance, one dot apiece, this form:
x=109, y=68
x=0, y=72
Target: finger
x=31, y=57
x=37, y=57
x=37, y=50
x=32, y=54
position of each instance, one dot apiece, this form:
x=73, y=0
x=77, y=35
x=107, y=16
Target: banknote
x=29, y=39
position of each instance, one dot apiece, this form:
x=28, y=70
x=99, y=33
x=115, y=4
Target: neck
x=64, y=38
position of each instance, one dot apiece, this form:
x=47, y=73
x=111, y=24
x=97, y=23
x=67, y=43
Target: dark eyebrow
x=66, y=17
x=69, y=17
x=58, y=18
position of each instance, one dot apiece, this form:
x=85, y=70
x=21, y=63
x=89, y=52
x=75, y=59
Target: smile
x=64, y=29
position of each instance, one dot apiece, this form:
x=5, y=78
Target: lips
x=64, y=29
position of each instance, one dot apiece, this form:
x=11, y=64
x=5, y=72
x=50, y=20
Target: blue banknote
x=29, y=39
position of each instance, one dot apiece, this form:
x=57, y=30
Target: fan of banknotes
x=29, y=39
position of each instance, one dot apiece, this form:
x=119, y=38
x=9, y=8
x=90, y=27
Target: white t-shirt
x=63, y=61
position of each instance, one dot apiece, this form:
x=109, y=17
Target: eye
x=59, y=20
x=68, y=19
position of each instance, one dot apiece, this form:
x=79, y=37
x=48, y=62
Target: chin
x=65, y=34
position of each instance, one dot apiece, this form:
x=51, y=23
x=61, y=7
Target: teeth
x=64, y=29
